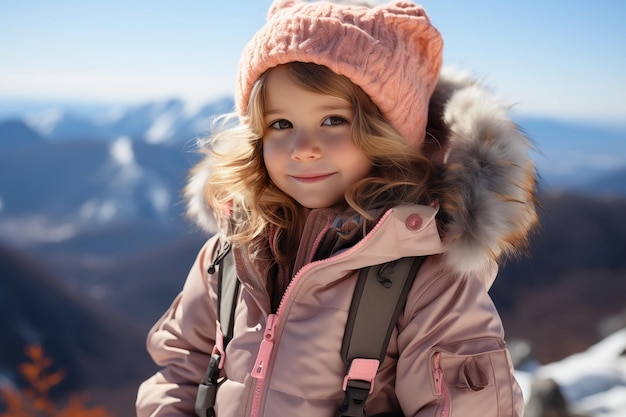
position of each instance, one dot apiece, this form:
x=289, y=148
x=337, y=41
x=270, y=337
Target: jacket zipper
x=441, y=388
x=266, y=348
x=262, y=362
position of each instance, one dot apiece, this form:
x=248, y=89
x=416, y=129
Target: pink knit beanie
x=391, y=51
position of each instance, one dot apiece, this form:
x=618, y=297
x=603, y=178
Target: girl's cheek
x=275, y=152
x=273, y=148
x=338, y=139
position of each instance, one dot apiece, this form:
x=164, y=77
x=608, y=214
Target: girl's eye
x=334, y=121
x=281, y=124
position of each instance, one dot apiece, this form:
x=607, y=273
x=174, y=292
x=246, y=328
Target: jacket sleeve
x=453, y=359
x=181, y=343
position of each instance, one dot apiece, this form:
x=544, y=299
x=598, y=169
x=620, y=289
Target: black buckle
x=353, y=405
x=207, y=390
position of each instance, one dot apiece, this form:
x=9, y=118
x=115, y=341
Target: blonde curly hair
x=245, y=201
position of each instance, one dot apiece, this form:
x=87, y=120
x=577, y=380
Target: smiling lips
x=311, y=178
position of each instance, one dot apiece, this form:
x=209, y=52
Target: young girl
x=351, y=150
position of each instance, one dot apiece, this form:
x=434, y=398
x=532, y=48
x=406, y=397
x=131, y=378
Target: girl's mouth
x=311, y=178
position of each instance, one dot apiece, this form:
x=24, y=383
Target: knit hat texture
x=391, y=51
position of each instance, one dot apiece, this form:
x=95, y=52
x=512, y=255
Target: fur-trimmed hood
x=488, y=183
x=489, y=178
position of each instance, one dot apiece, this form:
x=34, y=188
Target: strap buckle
x=358, y=385
x=207, y=390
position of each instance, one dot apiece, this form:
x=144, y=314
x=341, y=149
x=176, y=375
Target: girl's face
x=307, y=145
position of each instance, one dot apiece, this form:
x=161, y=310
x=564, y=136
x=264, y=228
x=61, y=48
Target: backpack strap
x=227, y=291
x=379, y=297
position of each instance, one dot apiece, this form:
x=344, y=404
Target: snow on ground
x=592, y=382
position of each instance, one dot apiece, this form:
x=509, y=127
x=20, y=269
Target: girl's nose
x=306, y=148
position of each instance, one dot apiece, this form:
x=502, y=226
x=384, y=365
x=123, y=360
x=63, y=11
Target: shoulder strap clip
x=227, y=289
x=379, y=298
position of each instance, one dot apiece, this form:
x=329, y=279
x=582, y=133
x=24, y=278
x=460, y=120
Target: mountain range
x=569, y=153
x=78, y=170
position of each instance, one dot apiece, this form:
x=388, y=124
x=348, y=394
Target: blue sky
x=564, y=59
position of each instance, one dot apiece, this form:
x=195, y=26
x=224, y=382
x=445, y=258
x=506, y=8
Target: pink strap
x=363, y=370
x=219, y=345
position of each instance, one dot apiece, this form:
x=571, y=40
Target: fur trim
x=197, y=209
x=488, y=182
x=489, y=178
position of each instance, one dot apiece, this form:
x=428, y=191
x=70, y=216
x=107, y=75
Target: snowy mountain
x=15, y=133
x=67, y=172
x=54, y=191
x=170, y=121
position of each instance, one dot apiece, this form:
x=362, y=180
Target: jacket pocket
x=475, y=378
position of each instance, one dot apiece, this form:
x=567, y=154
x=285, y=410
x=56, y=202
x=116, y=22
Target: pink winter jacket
x=447, y=355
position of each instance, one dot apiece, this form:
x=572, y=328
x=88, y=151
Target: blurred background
x=101, y=104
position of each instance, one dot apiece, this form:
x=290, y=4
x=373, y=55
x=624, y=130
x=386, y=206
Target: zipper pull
x=265, y=349
x=219, y=258
x=438, y=375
